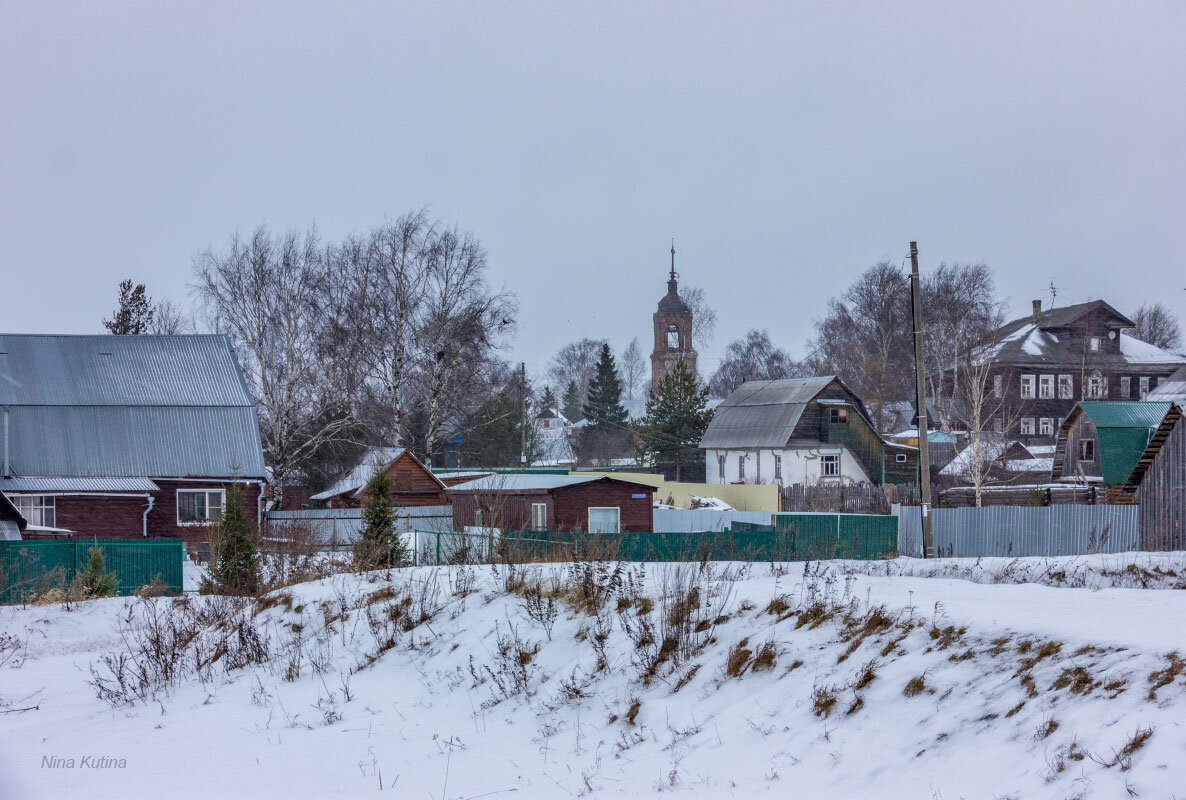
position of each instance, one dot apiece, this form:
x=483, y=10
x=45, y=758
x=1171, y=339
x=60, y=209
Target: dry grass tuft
x=765, y=658
x=915, y=686
x=823, y=700
x=1076, y=679
x=778, y=606
x=739, y=659
x=632, y=712
x=1161, y=678
x=1046, y=729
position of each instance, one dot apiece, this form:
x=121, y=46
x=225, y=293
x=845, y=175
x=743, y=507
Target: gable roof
x=1123, y=430
x=762, y=413
x=1172, y=389
x=376, y=458
x=128, y=406
x=537, y=483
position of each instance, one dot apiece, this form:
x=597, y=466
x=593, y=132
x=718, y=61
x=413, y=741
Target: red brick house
x=554, y=502
x=412, y=483
x=126, y=436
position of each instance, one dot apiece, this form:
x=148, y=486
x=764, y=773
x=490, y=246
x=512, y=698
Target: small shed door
x=604, y=520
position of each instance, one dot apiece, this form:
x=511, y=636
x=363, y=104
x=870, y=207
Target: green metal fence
x=33, y=566
x=797, y=537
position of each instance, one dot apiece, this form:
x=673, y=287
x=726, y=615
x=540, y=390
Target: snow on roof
x=1136, y=351
x=374, y=459
x=518, y=483
x=1030, y=464
x=1172, y=388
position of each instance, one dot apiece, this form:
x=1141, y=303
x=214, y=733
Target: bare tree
x=169, y=319
x=634, y=369
x=751, y=358
x=576, y=361
x=704, y=318
x=263, y=292
x=1157, y=325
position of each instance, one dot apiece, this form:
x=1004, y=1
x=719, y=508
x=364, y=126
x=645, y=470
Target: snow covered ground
x=908, y=679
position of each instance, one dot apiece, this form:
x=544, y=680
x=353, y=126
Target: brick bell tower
x=673, y=331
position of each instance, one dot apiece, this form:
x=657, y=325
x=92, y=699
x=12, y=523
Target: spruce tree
x=547, y=403
x=234, y=555
x=379, y=544
x=96, y=581
x=571, y=408
x=677, y=416
x=607, y=436
x=134, y=313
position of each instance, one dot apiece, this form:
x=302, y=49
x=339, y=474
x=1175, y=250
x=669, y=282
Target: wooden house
x=1158, y=484
x=1101, y=442
x=126, y=436
x=1045, y=363
x=801, y=431
x=592, y=503
x=412, y=483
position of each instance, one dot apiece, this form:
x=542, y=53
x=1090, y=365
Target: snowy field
x=1006, y=678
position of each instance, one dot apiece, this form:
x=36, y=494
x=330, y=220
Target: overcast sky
x=785, y=146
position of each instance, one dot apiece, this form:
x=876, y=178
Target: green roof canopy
x=1124, y=429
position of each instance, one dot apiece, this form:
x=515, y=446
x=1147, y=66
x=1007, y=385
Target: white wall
x=799, y=465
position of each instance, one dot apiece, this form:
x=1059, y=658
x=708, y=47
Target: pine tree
x=234, y=556
x=607, y=436
x=676, y=419
x=493, y=433
x=547, y=403
x=134, y=313
x=571, y=408
x=379, y=544
x=96, y=581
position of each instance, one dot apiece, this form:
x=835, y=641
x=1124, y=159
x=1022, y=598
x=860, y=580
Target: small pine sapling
x=96, y=581
x=234, y=552
x=379, y=544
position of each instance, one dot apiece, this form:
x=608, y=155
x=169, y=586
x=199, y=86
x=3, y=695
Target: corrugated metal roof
x=1125, y=413
x=140, y=441
x=518, y=483
x=57, y=484
x=761, y=413
x=1172, y=388
x=199, y=370
x=374, y=459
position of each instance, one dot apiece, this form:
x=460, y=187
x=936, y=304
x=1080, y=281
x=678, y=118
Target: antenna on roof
x=1053, y=293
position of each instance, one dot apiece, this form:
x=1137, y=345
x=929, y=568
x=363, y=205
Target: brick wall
x=635, y=513
x=162, y=520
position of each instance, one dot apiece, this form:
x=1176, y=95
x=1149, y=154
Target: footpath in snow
x=1019, y=678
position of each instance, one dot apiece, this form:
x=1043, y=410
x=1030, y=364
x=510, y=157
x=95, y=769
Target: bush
x=234, y=552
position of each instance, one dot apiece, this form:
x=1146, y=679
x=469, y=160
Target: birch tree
x=634, y=368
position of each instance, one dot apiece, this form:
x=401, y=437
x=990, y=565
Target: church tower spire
x=673, y=330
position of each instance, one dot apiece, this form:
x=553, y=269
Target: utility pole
x=924, y=460
x=523, y=414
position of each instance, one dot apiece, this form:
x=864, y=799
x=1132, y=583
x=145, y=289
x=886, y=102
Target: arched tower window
x=673, y=337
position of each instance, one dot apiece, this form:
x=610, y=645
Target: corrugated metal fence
x=325, y=525
x=31, y=567
x=1022, y=530
x=682, y=520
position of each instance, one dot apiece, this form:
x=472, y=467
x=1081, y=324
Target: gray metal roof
x=56, y=484
x=127, y=406
x=762, y=413
x=527, y=483
x=1172, y=388
x=120, y=370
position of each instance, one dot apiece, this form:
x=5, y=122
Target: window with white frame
x=900, y=458
x=829, y=465
x=741, y=468
x=199, y=506
x=478, y=516
x=1027, y=386
x=1094, y=343
x=1125, y=387
x=1066, y=387
x=1046, y=386
x=1087, y=449
x=539, y=516
x=604, y=519
x=998, y=385
x=37, y=509
x=1144, y=386
x=721, y=467
x=1097, y=386
x=997, y=425
x=1046, y=426
x=777, y=467
x=1027, y=426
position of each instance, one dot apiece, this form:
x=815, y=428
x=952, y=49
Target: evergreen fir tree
x=547, y=403
x=676, y=419
x=234, y=556
x=493, y=433
x=571, y=407
x=96, y=581
x=134, y=313
x=379, y=544
x=607, y=435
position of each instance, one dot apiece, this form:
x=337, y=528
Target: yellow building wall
x=742, y=496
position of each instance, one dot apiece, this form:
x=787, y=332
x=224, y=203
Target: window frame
x=206, y=506
x=998, y=385
x=1097, y=387
x=1029, y=387
x=837, y=416
x=1046, y=387
x=1066, y=387
x=722, y=465
x=777, y=467
x=674, y=329
x=1143, y=384
x=1046, y=426
x=617, y=516
x=1095, y=343
x=899, y=458
x=37, y=504
x=1084, y=446
x=741, y=467
x=827, y=459
x=1027, y=423
x=1125, y=387
x=536, y=523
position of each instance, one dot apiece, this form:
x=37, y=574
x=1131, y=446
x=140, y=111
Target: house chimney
x=1037, y=310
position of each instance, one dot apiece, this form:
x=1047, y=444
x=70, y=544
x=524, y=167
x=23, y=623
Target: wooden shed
x=592, y=503
x=1158, y=483
x=412, y=483
x=1101, y=441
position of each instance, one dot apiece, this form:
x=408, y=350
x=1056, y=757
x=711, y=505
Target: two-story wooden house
x=805, y=431
x=1047, y=362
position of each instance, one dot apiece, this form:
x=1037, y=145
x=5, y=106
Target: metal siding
x=1125, y=413
x=344, y=523
x=141, y=371
x=683, y=520
x=1007, y=531
x=142, y=441
x=761, y=413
